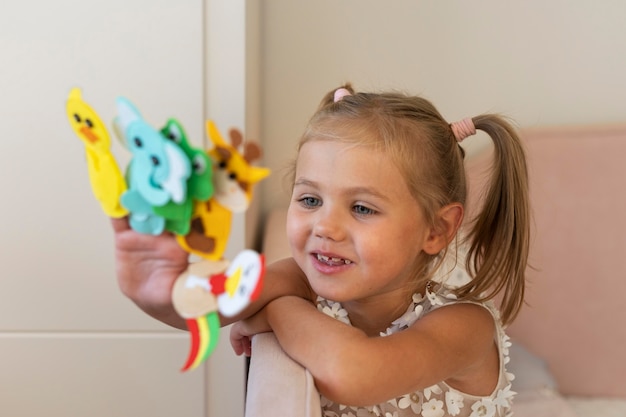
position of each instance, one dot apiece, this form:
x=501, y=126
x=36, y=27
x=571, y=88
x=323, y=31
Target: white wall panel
x=70, y=375
x=71, y=344
x=56, y=246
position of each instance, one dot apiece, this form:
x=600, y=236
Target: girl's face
x=354, y=228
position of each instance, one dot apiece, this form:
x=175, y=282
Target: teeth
x=329, y=259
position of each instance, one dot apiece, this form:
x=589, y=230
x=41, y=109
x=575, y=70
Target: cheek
x=295, y=228
x=394, y=245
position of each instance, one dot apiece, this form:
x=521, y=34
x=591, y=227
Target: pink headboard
x=575, y=318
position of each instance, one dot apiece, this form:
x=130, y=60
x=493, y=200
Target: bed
x=569, y=339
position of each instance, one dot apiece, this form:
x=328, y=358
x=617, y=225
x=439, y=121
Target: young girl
x=368, y=304
x=378, y=197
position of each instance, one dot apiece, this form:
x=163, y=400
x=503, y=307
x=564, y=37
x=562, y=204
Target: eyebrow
x=351, y=190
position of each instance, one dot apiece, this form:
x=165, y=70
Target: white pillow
x=531, y=372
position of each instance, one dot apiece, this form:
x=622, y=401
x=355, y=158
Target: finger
x=235, y=341
x=120, y=225
x=237, y=347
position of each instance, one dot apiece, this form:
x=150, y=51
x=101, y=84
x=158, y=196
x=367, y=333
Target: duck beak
x=88, y=133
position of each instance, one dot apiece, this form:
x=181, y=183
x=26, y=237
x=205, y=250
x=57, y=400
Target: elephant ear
x=127, y=114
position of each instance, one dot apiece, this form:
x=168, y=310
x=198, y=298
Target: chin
x=329, y=291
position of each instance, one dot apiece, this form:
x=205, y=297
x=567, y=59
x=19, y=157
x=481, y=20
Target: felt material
x=204, y=289
x=157, y=174
x=234, y=178
x=107, y=181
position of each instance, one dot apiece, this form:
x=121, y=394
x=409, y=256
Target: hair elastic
x=341, y=93
x=462, y=129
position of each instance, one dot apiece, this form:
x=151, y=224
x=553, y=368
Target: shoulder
x=443, y=308
x=462, y=318
x=464, y=330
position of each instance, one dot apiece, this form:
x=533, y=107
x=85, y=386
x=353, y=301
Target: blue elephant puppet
x=157, y=174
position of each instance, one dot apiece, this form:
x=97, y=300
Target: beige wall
x=542, y=63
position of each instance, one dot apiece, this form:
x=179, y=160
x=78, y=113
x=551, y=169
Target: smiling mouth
x=332, y=261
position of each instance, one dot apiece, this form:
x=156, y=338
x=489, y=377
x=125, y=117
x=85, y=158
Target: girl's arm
x=449, y=344
x=282, y=278
x=147, y=267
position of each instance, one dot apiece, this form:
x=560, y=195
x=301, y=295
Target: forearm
x=329, y=349
x=351, y=368
x=282, y=278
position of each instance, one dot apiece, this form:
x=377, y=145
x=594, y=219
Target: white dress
x=440, y=399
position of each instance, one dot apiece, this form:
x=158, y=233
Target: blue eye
x=362, y=210
x=310, y=202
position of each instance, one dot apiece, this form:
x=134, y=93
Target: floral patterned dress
x=440, y=399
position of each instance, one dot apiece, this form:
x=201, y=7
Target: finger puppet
x=172, y=186
x=157, y=173
x=207, y=288
x=199, y=184
x=107, y=181
x=234, y=178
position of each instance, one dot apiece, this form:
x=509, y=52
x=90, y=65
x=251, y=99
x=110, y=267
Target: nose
x=329, y=225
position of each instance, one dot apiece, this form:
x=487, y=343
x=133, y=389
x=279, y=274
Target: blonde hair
x=422, y=144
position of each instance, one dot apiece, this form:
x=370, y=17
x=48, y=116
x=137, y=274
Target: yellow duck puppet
x=107, y=181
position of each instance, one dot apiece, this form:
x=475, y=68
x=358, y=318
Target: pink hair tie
x=341, y=93
x=463, y=128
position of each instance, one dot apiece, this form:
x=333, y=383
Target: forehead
x=348, y=165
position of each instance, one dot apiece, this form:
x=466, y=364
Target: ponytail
x=499, y=235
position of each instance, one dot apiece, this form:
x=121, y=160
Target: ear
x=214, y=135
x=236, y=137
x=127, y=113
x=447, y=222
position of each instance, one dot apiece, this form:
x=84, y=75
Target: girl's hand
x=147, y=267
x=242, y=331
